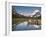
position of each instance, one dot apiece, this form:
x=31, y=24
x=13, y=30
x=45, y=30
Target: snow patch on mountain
x=34, y=12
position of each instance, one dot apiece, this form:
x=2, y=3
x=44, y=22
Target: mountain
x=36, y=13
x=17, y=15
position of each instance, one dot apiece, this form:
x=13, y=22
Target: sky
x=26, y=10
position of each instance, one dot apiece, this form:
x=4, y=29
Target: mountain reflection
x=26, y=25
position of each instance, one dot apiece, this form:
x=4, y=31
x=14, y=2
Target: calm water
x=26, y=26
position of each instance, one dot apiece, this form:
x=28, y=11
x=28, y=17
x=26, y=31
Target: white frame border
x=9, y=15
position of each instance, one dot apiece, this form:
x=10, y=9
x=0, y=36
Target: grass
x=20, y=20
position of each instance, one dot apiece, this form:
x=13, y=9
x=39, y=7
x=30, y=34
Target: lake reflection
x=26, y=26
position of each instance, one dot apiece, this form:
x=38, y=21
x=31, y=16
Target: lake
x=26, y=26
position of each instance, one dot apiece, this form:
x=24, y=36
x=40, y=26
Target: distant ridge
x=35, y=13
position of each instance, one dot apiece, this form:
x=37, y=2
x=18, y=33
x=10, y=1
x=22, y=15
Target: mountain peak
x=35, y=11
